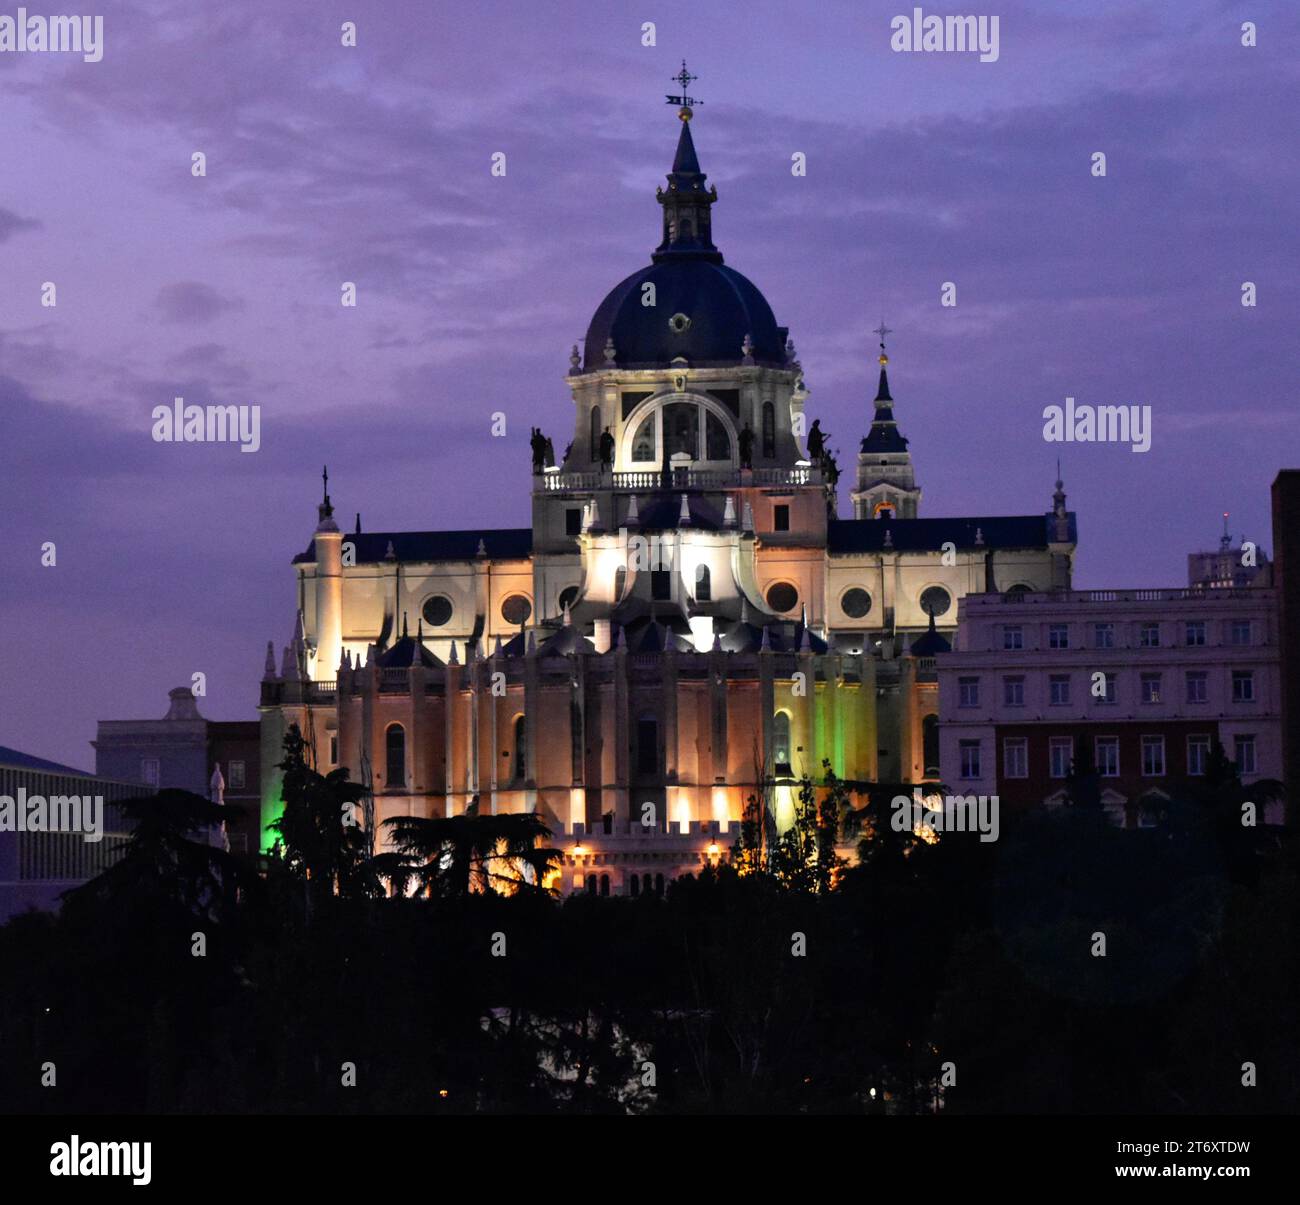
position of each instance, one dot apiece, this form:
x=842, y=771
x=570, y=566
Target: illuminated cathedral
x=687, y=625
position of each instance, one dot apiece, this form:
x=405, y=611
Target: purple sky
x=371, y=164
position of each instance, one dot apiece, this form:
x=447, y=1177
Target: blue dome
x=720, y=305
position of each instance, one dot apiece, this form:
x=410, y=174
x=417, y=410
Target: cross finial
x=325, y=479
x=882, y=330
x=684, y=102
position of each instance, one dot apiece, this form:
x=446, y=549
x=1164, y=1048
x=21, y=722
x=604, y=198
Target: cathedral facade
x=686, y=625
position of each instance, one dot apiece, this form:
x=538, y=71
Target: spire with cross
x=687, y=223
x=882, y=330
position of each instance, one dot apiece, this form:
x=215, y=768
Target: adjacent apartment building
x=1139, y=683
x=183, y=750
x=37, y=865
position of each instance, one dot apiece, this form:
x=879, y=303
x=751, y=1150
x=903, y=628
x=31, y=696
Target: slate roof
x=661, y=511
x=845, y=536
x=25, y=761
x=502, y=544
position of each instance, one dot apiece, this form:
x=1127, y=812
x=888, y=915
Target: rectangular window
x=573, y=521
x=1198, y=754
x=1108, y=692
x=1013, y=692
x=1060, y=752
x=1015, y=757
x=1058, y=686
x=1245, y=755
x=1149, y=636
x=1151, y=688
x=647, y=747
x=1153, y=756
x=1013, y=637
x=1197, y=686
x=1194, y=632
x=236, y=775
x=968, y=692
x=1058, y=636
x=334, y=748
x=1108, y=756
x=781, y=517
x=149, y=771
x=1103, y=635
x=970, y=759
x=1240, y=632
x=661, y=584
x=1243, y=686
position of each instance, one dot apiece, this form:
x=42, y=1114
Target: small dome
x=702, y=311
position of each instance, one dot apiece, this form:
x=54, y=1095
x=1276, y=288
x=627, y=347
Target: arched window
x=521, y=749
x=703, y=584
x=604, y=884
x=769, y=430
x=717, y=443
x=620, y=582
x=781, y=742
x=591, y=884
x=682, y=429
x=643, y=444
x=645, y=883
x=395, y=756
x=595, y=434
x=930, y=745
x=634, y=885
x=659, y=884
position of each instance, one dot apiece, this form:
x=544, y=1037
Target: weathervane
x=683, y=101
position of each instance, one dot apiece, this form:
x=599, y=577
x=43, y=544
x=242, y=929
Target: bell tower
x=886, y=484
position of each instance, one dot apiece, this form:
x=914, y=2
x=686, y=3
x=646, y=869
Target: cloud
x=11, y=224
x=192, y=303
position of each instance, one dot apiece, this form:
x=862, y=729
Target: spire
x=268, y=671
x=325, y=511
x=417, y=649
x=884, y=435
x=882, y=389
x=687, y=225
x=886, y=480
x=1058, y=498
x=1225, y=540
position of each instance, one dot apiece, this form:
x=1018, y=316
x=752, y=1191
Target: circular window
x=782, y=597
x=516, y=609
x=437, y=611
x=855, y=603
x=679, y=324
x=568, y=596
x=935, y=601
